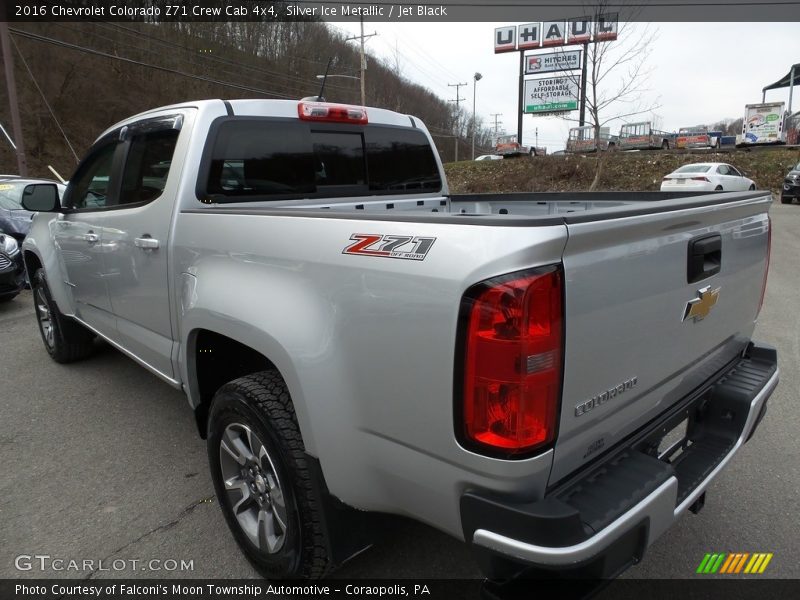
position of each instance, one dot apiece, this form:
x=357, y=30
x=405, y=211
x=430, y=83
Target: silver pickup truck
x=553, y=378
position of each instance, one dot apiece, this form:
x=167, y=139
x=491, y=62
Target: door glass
x=92, y=181
x=147, y=166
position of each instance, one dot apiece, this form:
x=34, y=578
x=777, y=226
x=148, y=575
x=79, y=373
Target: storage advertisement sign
x=551, y=94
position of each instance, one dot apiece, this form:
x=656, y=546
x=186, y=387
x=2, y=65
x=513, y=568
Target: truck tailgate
x=647, y=317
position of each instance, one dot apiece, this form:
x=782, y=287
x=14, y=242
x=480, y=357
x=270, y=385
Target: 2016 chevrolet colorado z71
x=554, y=378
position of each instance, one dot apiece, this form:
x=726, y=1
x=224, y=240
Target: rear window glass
x=265, y=159
x=693, y=169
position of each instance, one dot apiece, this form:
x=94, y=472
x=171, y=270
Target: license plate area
x=674, y=442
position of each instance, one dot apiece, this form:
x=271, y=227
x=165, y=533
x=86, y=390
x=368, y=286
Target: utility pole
x=361, y=38
x=16, y=123
x=496, y=122
x=582, y=119
x=458, y=100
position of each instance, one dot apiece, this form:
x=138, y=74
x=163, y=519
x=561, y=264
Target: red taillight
x=706, y=179
x=332, y=113
x=512, y=370
x=766, y=268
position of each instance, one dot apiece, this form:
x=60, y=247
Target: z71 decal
x=404, y=247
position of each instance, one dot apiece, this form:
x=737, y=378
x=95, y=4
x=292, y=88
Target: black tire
x=67, y=341
x=7, y=298
x=665, y=145
x=752, y=187
x=261, y=403
x=718, y=188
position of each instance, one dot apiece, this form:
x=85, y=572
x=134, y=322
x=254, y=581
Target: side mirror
x=41, y=197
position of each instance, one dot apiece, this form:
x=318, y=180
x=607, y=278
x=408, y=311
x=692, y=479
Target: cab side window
x=91, y=185
x=147, y=166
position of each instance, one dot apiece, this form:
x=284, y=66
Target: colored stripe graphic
x=718, y=563
x=766, y=562
x=734, y=563
x=742, y=561
x=728, y=562
x=703, y=563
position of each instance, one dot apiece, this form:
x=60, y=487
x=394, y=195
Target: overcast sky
x=701, y=72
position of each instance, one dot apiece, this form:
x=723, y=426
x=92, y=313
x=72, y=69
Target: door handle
x=92, y=238
x=146, y=243
x=704, y=257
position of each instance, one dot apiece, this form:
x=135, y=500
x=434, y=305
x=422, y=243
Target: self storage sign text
x=551, y=94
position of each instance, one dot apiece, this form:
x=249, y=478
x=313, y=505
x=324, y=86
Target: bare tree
x=616, y=76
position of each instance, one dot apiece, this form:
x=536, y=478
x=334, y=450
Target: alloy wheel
x=253, y=487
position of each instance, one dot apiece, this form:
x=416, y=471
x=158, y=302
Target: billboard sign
x=529, y=36
x=580, y=30
x=606, y=28
x=505, y=39
x=567, y=60
x=556, y=33
x=551, y=94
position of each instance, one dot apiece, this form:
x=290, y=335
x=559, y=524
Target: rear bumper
x=600, y=522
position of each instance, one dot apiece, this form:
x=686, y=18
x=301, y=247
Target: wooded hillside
x=94, y=74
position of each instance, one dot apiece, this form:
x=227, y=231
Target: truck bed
x=524, y=209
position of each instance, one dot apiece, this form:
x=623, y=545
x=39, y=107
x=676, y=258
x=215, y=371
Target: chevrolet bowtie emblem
x=698, y=308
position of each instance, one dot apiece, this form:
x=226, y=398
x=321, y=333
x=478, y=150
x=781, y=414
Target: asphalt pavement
x=99, y=460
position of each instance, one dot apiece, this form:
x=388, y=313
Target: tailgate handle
x=705, y=257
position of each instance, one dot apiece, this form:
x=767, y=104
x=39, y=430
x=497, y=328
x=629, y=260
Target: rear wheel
x=718, y=188
x=64, y=339
x=262, y=480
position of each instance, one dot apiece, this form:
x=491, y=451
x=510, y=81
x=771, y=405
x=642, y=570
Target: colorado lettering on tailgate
x=404, y=247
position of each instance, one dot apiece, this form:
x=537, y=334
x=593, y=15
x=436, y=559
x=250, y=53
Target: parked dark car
x=12, y=271
x=15, y=220
x=791, y=185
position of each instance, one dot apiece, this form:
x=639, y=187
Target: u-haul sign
x=555, y=33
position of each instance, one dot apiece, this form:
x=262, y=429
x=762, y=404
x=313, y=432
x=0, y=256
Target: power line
x=46, y=103
x=217, y=59
x=45, y=39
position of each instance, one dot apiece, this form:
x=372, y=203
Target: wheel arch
x=213, y=358
x=39, y=252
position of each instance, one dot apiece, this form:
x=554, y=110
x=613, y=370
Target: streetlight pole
x=475, y=79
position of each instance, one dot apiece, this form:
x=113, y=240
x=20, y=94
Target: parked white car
x=489, y=157
x=704, y=177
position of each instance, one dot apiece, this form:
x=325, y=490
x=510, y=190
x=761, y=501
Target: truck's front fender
x=39, y=249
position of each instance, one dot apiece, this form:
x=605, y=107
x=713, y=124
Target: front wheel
x=752, y=187
x=262, y=480
x=64, y=339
